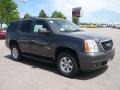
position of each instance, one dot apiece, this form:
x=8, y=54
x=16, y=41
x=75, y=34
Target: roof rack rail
x=27, y=18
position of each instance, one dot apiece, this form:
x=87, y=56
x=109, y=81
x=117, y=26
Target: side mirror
x=43, y=31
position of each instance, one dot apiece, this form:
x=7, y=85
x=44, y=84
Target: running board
x=47, y=60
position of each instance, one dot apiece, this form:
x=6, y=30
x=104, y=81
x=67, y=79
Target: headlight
x=90, y=46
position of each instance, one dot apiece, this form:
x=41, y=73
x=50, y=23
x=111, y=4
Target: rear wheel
x=15, y=53
x=67, y=65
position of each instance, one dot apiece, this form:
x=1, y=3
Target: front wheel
x=15, y=53
x=67, y=65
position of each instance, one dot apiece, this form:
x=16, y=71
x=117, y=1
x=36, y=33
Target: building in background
x=77, y=12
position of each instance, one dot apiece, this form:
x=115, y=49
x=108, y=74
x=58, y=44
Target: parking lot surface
x=29, y=74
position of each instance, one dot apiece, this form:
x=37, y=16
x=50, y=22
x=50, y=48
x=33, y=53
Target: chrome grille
x=107, y=45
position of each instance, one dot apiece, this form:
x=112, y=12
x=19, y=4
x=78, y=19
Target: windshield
x=64, y=26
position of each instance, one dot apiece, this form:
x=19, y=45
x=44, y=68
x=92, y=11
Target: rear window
x=12, y=27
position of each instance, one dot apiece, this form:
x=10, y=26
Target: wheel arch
x=13, y=42
x=59, y=50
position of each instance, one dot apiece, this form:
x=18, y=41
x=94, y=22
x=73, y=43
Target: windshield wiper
x=77, y=30
x=65, y=31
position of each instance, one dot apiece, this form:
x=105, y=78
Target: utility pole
x=21, y=6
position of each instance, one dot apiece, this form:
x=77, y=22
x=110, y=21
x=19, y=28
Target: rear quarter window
x=12, y=27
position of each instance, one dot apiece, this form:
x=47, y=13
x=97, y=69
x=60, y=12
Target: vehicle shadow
x=91, y=74
x=52, y=68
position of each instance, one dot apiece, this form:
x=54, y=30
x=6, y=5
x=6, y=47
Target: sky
x=93, y=11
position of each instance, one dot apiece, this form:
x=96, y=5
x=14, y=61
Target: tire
x=67, y=68
x=15, y=53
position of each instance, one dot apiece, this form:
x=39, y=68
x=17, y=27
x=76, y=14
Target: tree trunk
x=1, y=24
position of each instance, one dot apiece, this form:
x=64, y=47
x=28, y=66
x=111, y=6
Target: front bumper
x=93, y=61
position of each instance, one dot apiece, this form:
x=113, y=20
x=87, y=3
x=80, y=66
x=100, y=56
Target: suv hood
x=89, y=35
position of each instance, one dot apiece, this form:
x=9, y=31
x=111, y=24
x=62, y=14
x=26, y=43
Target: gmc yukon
x=59, y=41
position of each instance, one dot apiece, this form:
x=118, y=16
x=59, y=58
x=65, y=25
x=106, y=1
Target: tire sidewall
x=75, y=69
x=19, y=53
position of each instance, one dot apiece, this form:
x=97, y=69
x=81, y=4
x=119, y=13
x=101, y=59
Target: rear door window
x=26, y=26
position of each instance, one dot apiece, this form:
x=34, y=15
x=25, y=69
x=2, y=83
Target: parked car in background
x=2, y=33
x=117, y=26
x=109, y=25
x=104, y=25
x=99, y=26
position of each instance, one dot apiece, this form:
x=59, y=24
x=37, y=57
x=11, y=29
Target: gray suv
x=59, y=41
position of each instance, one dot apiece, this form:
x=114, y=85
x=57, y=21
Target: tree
x=27, y=15
x=8, y=11
x=75, y=20
x=43, y=14
x=57, y=14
